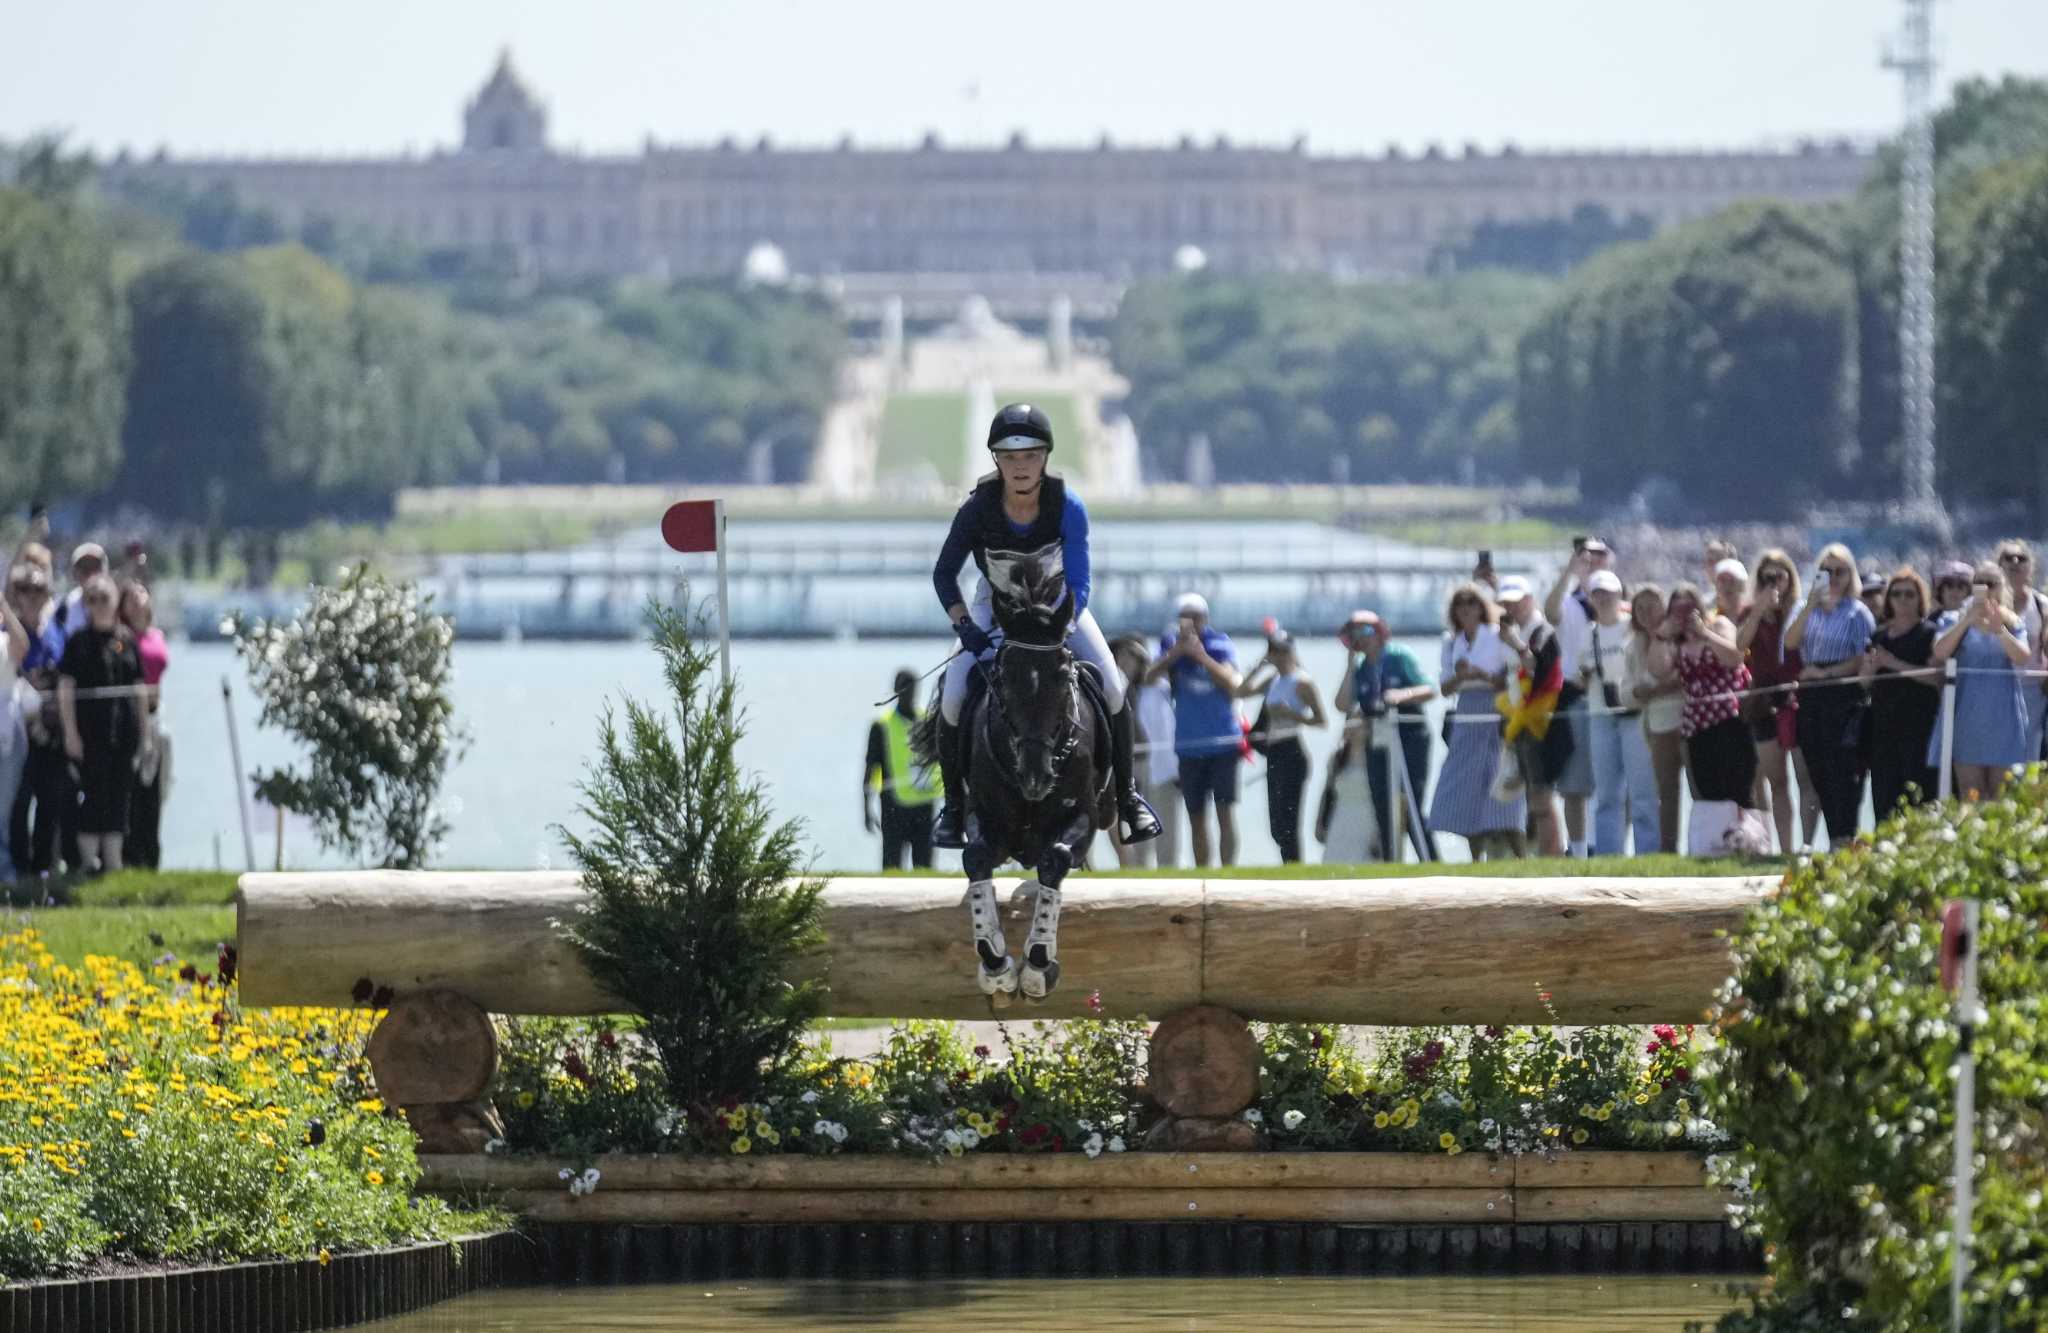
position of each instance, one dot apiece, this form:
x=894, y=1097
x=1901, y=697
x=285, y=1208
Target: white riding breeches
x=1084, y=640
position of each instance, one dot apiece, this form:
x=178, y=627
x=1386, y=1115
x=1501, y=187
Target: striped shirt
x=1832, y=636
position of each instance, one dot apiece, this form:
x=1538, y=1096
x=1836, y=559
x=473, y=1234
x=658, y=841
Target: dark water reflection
x=1420, y=1305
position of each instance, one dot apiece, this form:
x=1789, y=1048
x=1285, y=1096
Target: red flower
x=1002, y=1123
x=1058, y=1144
x=1494, y=1032
x=1315, y=1041
x=981, y=1052
x=1653, y=1046
x=188, y=973
x=1666, y=1034
x=1033, y=1134
x=1682, y=1074
x=607, y=1040
x=220, y=1018
x=1010, y=1107
x=1095, y=1002
x=1435, y=1051
x=360, y=992
x=573, y=1065
x=383, y=998
x=225, y=960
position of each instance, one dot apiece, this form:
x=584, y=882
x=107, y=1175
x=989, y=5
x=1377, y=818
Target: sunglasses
x=2015, y=558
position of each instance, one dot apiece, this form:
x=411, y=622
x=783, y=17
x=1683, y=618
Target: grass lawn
x=140, y=915
x=1632, y=867
x=922, y=431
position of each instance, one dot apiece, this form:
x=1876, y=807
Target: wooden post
x=1203, y=1069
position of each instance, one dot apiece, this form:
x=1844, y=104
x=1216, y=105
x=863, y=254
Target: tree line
x=1743, y=364
x=186, y=356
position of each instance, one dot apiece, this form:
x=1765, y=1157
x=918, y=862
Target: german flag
x=1528, y=703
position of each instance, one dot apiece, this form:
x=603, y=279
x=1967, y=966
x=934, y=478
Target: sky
x=304, y=77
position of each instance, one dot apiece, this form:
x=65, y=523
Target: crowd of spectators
x=84, y=763
x=1587, y=717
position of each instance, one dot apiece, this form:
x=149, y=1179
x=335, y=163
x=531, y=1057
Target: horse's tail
x=924, y=739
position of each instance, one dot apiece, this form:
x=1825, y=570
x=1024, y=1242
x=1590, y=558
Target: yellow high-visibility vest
x=908, y=782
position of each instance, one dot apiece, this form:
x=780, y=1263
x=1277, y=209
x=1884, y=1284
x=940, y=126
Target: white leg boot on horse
x=997, y=973
x=1042, y=946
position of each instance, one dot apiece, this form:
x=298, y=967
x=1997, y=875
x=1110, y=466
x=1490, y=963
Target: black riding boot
x=951, y=828
x=1134, y=812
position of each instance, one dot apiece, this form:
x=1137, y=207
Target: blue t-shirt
x=1203, y=714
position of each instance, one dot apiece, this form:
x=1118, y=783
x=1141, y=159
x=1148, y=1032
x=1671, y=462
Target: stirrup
x=1041, y=947
x=1137, y=820
x=997, y=972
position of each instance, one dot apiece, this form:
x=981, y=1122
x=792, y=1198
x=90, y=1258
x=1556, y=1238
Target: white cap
x=88, y=551
x=1192, y=604
x=1603, y=580
x=1513, y=588
x=1731, y=566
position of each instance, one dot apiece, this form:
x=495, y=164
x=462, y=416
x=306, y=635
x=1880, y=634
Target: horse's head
x=1040, y=611
x=1036, y=730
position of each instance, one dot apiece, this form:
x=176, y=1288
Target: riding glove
x=973, y=637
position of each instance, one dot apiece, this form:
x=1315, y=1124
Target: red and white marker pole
x=696, y=526
x=1959, y=978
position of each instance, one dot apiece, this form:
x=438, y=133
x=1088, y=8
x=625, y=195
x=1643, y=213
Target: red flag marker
x=691, y=525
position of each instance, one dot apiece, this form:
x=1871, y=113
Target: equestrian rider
x=1021, y=518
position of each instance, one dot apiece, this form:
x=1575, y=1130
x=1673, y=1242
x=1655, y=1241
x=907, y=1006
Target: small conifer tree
x=697, y=911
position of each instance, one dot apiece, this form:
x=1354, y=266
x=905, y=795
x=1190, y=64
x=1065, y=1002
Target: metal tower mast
x=1913, y=58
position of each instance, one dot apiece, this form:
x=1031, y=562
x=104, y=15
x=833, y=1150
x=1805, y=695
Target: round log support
x=1202, y=1069
x=1379, y=951
x=433, y=1056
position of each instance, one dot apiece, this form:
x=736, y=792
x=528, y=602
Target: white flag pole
x=1945, y=781
x=724, y=603
x=227, y=702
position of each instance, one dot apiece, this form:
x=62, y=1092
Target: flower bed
x=144, y=1116
x=581, y=1089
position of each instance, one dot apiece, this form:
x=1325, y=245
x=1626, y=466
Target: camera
x=1610, y=694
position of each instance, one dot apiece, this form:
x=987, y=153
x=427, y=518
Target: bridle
x=1066, y=738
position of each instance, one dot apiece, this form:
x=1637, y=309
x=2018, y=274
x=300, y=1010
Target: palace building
x=1042, y=215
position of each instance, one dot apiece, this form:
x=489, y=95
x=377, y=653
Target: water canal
x=1358, y=1305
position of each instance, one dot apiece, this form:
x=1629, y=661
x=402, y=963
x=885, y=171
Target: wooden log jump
x=1375, y=951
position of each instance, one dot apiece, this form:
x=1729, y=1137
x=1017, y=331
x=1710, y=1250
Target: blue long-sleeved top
x=967, y=537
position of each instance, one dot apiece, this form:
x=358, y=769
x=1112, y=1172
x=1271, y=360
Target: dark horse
x=1039, y=783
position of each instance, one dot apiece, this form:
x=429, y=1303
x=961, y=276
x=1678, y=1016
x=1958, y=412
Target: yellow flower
x=1580, y=1135
x=1447, y=1140
x=325, y=1258
x=1642, y=1099
x=1380, y=1121
x=524, y=1100
x=37, y=1224
x=1602, y=1114
x=742, y=1144
x=1453, y=1150
x=374, y=1177
x=374, y=1105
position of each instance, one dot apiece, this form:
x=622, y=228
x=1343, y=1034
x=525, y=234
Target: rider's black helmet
x=1019, y=426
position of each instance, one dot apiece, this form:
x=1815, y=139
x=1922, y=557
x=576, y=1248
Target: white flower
x=950, y=1139
x=1086, y=1125
x=970, y=1137
x=590, y=1179
x=809, y=1097
x=565, y=1174
x=823, y=1128
x=1252, y=1116
x=494, y=1146
x=1093, y=1147
x=838, y=1132
x=665, y=1123
x=1292, y=1120
x=1486, y=1125
x=1116, y=1144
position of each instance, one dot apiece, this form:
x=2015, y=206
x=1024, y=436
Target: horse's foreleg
x=1042, y=946
x=997, y=971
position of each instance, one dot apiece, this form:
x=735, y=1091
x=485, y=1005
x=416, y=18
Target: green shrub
x=696, y=912
x=1836, y=1074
